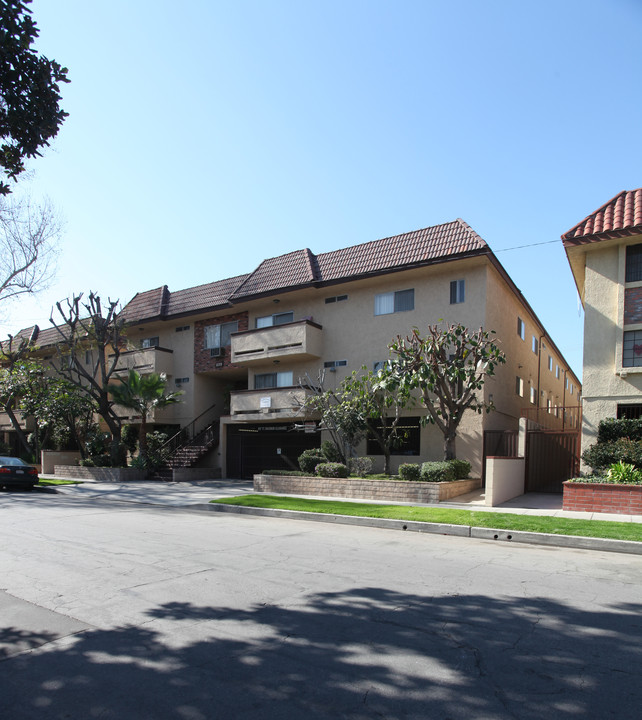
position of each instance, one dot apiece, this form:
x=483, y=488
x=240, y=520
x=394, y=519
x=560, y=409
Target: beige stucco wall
x=606, y=382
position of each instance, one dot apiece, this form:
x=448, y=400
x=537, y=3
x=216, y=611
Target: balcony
x=301, y=340
x=145, y=361
x=269, y=402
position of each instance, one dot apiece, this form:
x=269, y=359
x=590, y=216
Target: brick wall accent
x=203, y=361
x=592, y=497
x=633, y=305
x=420, y=492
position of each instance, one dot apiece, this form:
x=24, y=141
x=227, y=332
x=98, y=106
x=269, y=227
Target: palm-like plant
x=143, y=394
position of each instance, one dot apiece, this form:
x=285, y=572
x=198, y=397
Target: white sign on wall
x=266, y=402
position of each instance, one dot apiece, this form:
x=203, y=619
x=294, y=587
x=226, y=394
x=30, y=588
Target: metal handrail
x=186, y=434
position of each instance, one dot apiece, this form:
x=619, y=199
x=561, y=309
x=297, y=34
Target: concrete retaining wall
x=400, y=491
x=51, y=458
x=505, y=479
x=77, y=472
x=593, y=497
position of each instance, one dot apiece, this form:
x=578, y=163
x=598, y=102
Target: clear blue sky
x=206, y=136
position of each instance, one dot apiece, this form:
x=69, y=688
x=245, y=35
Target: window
x=87, y=357
x=557, y=372
x=533, y=395
x=571, y=390
x=180, y=381
x=182, y=328
x=410, y=432
x=519, y=386
x=380, y=365
x=633, y=263
x=336, y=298
x=630, y=411
x=218, y=336
x=335, y=363
x=149, y=342
x=273, y=380
x=394, y=302
x=457, y=292
x=521, y=328
x=632, y=349
x=550, y=363
x=276, y=319
x=535, y=345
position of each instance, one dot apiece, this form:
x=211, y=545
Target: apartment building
x=605, y=254
x=238, y=347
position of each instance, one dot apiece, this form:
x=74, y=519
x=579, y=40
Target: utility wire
x=519, y=247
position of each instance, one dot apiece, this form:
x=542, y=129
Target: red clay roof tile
x=620, y=216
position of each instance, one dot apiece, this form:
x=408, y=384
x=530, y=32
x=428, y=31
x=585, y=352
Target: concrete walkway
x=194, y=493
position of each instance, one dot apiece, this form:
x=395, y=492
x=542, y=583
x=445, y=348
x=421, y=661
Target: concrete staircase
x=188, y=454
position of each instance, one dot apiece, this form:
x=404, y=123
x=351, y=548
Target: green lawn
x=497, y=521
x=51, y=481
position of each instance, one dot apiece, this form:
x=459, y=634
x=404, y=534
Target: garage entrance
x=253, y=448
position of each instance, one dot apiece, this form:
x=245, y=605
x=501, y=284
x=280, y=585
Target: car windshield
x=11, y=461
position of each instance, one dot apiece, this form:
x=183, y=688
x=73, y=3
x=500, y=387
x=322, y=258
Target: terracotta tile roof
x=420, y=247
x=415, y=248
x=45, y=337
x=279, y=273
x=203, y=297
x=148, y=304
x=619, y=217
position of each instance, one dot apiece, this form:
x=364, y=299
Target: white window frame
x=265, y=321
x=213, y=335
x=391, y=302
x=521, y=328
x=284, y=378
x=519, y=386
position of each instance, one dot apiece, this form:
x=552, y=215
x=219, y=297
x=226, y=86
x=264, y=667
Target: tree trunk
x=386, y=461
x=19, y=431
x=142, y=437
x=449, y=446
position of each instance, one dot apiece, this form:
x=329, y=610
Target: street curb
x=516, y=536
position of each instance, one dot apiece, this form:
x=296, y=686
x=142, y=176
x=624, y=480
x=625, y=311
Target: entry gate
x=552, y=457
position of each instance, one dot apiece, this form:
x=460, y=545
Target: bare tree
x=93, y=331
x=29, y=235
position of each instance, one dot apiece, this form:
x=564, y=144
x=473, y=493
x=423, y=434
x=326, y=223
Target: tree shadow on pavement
x=364, y=653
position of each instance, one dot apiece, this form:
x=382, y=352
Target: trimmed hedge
x=461, y=468
x=410, y=472
x=437, y=472
x=291, y=473
x=332, y=470
x=611, y=429
x=604, y=454
x=360, y=466
x=309, y=459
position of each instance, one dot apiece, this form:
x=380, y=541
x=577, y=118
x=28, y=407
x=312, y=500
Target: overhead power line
x=519, y=247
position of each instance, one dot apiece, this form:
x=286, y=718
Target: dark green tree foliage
x=30, y=112
x=143, y=394
x=617, y=441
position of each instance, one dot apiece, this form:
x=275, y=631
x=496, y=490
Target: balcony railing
x=145, y=361
x=301, y=340
x=280, y=402
x=555, y=418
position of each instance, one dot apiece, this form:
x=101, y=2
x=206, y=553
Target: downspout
x=564, y=403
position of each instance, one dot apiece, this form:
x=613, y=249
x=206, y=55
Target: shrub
x=332, y=470
x=330, y=452
x=360, y=466
x=624, y=473
x=309, y=459
x=437, y=472
x=97, y=461
x=604, y=454
x=157, y=455
x=129, y=437
x=461, y=468
x=611, y=429
x=410, y=471
x=289, y=473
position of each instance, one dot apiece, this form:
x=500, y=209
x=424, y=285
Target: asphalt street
x=114, y=608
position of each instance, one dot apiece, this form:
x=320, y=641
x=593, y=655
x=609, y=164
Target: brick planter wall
x=593, y=497
x=399, y=491
x=78, y=472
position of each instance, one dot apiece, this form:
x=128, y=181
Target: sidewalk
x=194, y=493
